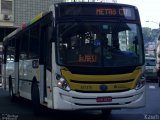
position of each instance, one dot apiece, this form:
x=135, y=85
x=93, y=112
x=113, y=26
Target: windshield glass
x=10, y=65
x=99, y=44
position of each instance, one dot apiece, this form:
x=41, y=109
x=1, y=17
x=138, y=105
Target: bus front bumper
x=72, y=100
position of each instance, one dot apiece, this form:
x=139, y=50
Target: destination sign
x=125, y=12
x=114, y=12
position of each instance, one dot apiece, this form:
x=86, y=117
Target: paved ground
x=22, y=109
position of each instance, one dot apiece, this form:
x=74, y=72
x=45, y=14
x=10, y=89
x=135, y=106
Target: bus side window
x=24, y=46
x=11, y=51
x=34, y=42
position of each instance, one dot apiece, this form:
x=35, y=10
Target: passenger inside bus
x=112, y=54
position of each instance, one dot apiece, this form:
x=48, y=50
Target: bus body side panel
x=27, y=72
x=26, y=79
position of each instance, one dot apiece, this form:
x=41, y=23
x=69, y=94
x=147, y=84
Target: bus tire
x=159, y=82
x=106, y=113
x=12, y=95
x=35, y=98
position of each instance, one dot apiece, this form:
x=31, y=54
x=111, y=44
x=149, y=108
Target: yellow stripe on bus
x=94, y=81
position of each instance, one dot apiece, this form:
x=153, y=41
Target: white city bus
x=158, y=59
x=82, y=56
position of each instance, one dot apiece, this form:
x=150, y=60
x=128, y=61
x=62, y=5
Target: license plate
x=104, y=99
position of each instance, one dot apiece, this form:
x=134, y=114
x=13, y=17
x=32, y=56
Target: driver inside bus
x=107, y=49
x=103, y=43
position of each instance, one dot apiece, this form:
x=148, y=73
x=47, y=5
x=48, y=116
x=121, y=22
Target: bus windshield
x=150, y=62
x=99, y=44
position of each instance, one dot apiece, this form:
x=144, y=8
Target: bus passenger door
x=46, y=63
x=21, y=77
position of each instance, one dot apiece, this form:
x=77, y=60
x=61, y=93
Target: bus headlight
x=62, y=83
x=140, y=83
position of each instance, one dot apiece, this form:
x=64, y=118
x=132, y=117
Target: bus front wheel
x=35, y=98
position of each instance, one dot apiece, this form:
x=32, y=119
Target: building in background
x=6, y=18
x=6, y=22
x=24, y=10
x=6, y=13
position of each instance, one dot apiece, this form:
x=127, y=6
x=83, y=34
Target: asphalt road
x=22, y=109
